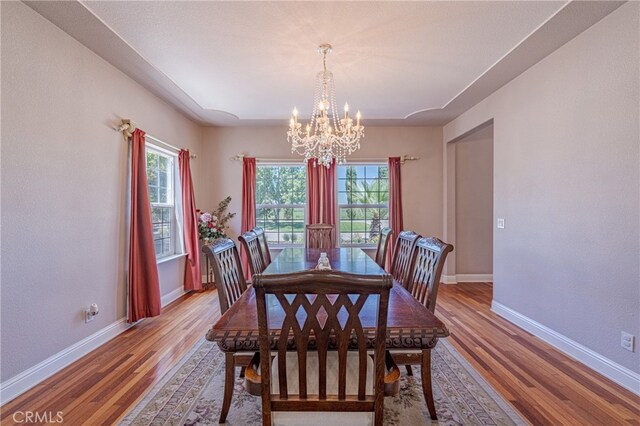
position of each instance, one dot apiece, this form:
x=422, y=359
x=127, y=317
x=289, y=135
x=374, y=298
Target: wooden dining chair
x=319, y=366
x=383, y=244
x=264, y=246
x=251, y=244
x=426, y=269
x=230, y=284
x=402, y=256
x=319, y=236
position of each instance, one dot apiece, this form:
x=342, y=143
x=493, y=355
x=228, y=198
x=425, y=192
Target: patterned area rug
x=191, y=394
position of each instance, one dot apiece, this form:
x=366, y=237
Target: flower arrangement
x=212, y=225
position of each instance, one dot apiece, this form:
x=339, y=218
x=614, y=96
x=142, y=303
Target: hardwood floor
x=544, y=385
x=100, y=388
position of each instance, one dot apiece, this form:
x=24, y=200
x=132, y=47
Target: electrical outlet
x=88, y=317
x=500, y=223
x=628, y=341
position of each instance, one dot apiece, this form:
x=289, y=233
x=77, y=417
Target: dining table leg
x=427, y=389
x=229, y=379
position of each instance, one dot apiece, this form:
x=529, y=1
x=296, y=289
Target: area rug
x=191, y=394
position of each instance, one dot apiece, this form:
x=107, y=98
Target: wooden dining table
x=410, y=325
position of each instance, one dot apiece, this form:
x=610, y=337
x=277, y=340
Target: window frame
x=304, y=206
x=365, y=246
x=175, y=246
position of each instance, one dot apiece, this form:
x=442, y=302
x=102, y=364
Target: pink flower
x=205, y=217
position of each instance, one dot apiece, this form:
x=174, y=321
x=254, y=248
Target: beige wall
x=64, y=172
x=422, y=188
x=474, y=203
x=567, y=182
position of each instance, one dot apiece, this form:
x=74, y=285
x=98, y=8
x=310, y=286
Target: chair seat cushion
x=332, y=374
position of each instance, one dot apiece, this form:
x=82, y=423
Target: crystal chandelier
x=327, y=136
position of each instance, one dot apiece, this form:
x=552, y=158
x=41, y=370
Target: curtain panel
x=192, y=273
x=321, y=194
x=144, y=286
x=395, y=203
x=313, y=192
x=248, y=204
x=327, y=179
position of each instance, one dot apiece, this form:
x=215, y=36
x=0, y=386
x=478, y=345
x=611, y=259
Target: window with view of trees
x=281, y=197
x=363, y=203
x=160, y=180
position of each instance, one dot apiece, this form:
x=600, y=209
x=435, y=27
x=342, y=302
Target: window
x=160, y=178
x=363, y=203
x=281, y=197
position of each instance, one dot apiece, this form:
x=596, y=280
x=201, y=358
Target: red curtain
x=395, y=202
x=144, y=286
x=248, y=203
x=192, y=274
x=327, y=179
x=313, y=191
x=321, y=193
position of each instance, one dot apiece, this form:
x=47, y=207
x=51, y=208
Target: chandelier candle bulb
x=358, y=119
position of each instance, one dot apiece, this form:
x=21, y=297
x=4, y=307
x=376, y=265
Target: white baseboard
x=171, y=296
x=448, y=279
x=467, y=278
x=29, y=378
x=608, y=368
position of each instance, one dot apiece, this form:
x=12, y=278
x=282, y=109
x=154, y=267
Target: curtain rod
x=127, y=127
x=403, y=159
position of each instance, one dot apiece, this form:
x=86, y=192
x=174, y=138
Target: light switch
x=500, y=223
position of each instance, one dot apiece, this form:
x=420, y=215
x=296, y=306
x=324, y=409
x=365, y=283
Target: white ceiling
x=233, y=63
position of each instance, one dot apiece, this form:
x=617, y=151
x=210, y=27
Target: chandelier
x=326, y=136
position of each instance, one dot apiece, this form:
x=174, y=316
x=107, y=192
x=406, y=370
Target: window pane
x=166, y=246
x=281, y=196
x=156, y=214
x=164, y=178
x=166, y=214
x=362, y=186
x=163, y=163
x=160, y=185
x=163, y=196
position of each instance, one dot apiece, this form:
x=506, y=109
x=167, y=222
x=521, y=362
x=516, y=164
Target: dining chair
x=318, y=366
x=383, y=244
x=402, y=256
x=264, y=246
x=426, y=269
x=319, y=236
x=251, y=244
x=230, y=283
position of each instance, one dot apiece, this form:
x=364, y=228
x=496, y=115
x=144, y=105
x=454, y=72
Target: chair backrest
x=322, y=308
x=264, y=247
x=319, y=236
x=227, y=271
x=428, y=261
x=251, y=245
x=402, y=256
x=383, y=243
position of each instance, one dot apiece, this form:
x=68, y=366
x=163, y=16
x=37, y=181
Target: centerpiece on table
x=212, y=225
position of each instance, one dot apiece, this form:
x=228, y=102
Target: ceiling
x=235, y=63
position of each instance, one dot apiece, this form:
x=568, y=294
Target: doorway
x=469, y=206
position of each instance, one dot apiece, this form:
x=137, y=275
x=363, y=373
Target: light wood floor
x=545, y=386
